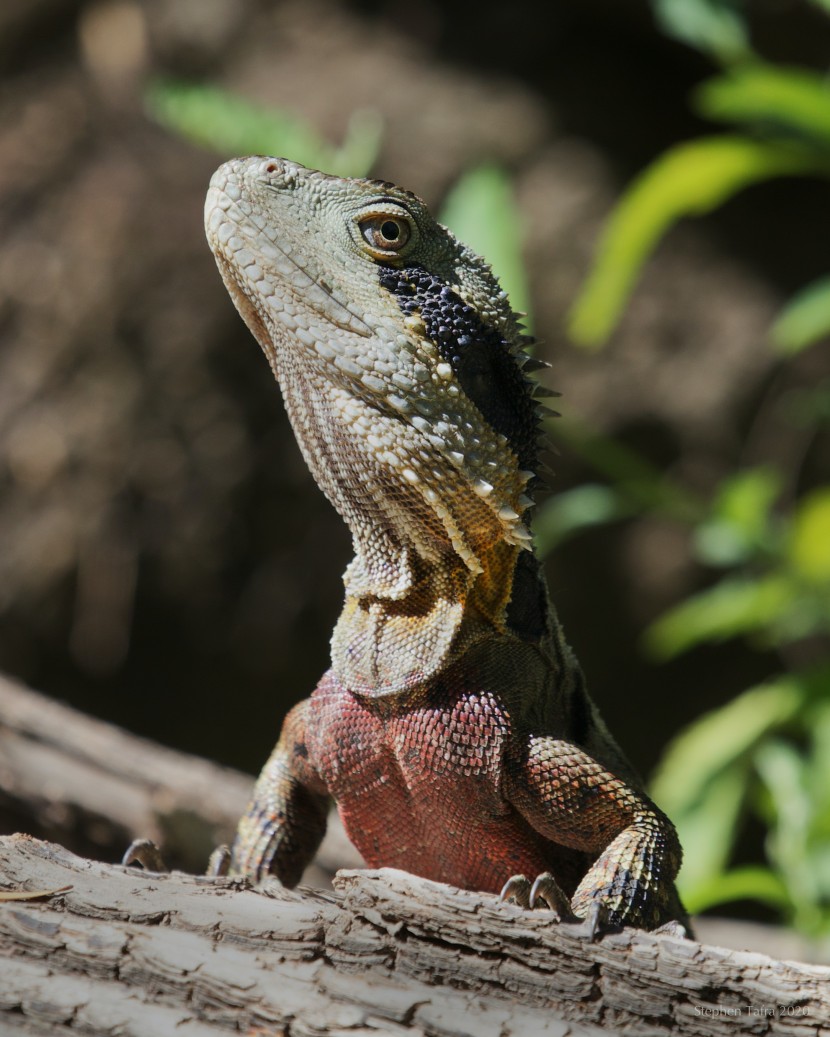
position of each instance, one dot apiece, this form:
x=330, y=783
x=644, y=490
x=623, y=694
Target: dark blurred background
x=167, y=562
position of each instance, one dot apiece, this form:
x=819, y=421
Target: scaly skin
x=453, y=729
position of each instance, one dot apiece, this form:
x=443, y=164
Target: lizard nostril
x=271, y=167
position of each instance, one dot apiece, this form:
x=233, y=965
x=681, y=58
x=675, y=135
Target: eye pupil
x=385, y=232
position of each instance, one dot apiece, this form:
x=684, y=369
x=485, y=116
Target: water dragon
x=453, y=728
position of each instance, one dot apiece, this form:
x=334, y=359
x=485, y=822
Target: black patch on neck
x=527, y=610
x=580, y=713
x=479, y=356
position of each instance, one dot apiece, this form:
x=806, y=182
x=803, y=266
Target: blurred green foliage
x=783, y=114
x=805, y=319
x=766, y=752
x=233, y=126
x=691, y=179
x=716, y=27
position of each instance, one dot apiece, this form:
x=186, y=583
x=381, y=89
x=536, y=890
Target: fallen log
x=105, y=950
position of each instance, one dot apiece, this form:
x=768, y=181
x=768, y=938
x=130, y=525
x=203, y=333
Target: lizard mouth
x=245, y=303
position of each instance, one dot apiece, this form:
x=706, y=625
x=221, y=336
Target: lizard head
x=400, y=362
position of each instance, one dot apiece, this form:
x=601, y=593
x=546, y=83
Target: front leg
x=285, y=821
x=574, y=801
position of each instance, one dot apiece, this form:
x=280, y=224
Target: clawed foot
x=596, y=919
x=148, y=855
x=546, y=892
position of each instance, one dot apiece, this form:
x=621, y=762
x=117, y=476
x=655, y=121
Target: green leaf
x=745, y=498
x=785, y=776
x=778, y=98
x=703, y=778
x=805, y=319
x=560, y=517
x=481, y=211
x=720, y=543
x=232, y=125
x=708, y=828
x=704, y=782
x=818, y=723
x=740, y=517
x=710, y=745
x=809, y=546
x=713, y=26
x=748, y=883
x=688, y=180
x=734, y=606
x=784, y=773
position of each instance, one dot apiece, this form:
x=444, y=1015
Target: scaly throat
x=434, y=503
x=455, y=543
x=383, y=646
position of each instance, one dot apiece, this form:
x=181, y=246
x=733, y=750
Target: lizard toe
x=146, y=853
x=516, y=890
x=219, y=862
x=597, y=920
x=674, y=928
x=548, y=891
x=545, y=891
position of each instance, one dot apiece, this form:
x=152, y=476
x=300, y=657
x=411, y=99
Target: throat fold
x=385, y=646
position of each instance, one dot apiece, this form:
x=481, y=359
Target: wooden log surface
x=128, y=953
x=120, y=951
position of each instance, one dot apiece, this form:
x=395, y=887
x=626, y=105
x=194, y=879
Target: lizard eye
x=385, y=234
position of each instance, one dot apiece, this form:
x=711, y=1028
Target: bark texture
x=130, y=953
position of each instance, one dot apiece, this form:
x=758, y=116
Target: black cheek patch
x=479, y=356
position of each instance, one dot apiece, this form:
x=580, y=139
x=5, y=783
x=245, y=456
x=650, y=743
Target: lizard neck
x=385, y=646
x=434, y=564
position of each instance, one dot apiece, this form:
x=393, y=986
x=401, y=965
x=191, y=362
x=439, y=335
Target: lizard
x=453, y=728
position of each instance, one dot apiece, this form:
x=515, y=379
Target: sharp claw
x=547, y=892
x=517, y=889
x=219, y=861
x=596, y=920
x=546, y=889
x=146, y=853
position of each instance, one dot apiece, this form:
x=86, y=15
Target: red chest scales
x=408, y=783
